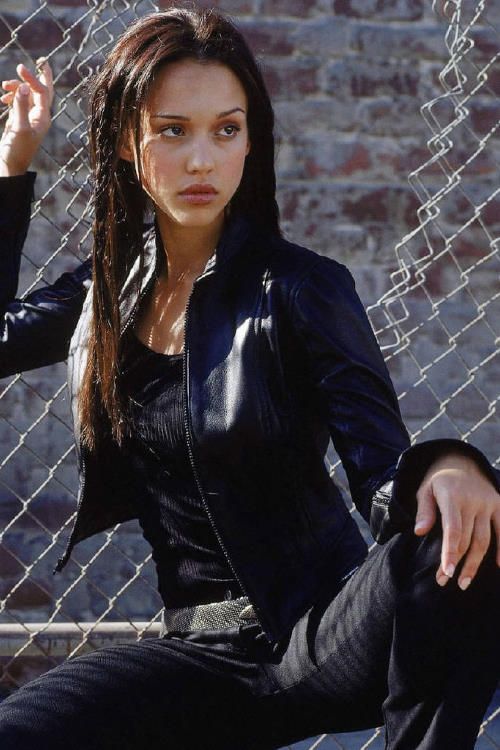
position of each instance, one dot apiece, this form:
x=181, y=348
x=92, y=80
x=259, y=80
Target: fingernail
x=420, y=525
x=464, y=583
x=24, y=89
x=442, y=579
x=449, y=570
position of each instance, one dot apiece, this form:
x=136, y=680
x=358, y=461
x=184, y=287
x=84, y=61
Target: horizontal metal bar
x=61, y=638
x=77, y=628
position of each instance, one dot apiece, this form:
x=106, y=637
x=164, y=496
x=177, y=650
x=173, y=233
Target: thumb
x=21, y=108
x=426, y=510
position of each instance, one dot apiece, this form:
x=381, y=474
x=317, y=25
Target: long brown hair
x=117, y=97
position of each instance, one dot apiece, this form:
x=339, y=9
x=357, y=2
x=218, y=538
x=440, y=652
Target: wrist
x=16, y=154
x=6, y=171
x=10, y=167
x=453, y=462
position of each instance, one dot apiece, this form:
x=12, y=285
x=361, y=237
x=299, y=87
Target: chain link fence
x=438, y=324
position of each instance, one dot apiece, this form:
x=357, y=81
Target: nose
x=200, y=157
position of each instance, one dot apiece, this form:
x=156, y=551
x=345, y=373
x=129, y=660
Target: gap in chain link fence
x=438, y=323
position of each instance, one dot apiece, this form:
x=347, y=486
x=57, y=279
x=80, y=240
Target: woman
x=209, y=363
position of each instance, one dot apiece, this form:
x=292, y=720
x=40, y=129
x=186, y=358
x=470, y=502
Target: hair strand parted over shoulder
x=117, y=96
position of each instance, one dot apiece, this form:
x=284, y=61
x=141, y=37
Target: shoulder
x=296, y=267
x=317, y=291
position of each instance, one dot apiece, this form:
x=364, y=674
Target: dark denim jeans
x=391, y=647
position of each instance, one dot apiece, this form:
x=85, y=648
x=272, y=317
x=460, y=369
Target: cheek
x=157, y=165
x=237, y=166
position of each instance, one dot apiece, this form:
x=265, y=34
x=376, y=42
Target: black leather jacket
x=279, y=356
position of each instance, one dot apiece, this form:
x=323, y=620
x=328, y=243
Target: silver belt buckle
x=248, y=613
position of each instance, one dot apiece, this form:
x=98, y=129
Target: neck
x=189, y=248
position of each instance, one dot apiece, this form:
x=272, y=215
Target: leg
x=155, y=693
x=394, y=645
x=445, y=656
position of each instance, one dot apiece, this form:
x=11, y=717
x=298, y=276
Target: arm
x=387, y=477
x=36, y=330
x=29, y=100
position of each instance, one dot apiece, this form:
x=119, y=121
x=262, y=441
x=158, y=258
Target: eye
x=172, y=131
x=229, y=131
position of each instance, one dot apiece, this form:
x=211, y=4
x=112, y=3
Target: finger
x=426, y=511
x=481, y=538
x=441, y=577
x=452, y=534
x=468, y=521
x=30, y=78
x=46, y=77
x=10, y=85
x=467, y=529
x=7, y=99
x=42, y=87
x=20, y=108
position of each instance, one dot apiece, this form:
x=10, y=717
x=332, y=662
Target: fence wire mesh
x=437, y=323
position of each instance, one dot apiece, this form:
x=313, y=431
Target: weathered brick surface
x=268, y=37
x=234, y=7
x=296, y=8
x=381, y=10
x=356, y=76
x=348, y=78
x=423, y=42
x=290, y=78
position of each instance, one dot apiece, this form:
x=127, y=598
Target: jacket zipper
x=191, y=456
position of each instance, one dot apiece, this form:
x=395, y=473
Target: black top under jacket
x=190, y=563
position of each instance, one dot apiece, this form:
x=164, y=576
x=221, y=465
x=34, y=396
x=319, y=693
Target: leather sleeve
x=347, y=369
x=16, y=194
x=35, y=330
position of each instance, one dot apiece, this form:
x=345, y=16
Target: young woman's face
x=194, y=141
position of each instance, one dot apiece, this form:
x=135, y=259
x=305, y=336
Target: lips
x=199, y=189
x=198, y=194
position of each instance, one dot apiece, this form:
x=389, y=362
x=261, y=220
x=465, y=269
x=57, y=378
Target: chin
x=199, y=216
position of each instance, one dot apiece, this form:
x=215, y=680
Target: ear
x=125, y=148
x=125, y=152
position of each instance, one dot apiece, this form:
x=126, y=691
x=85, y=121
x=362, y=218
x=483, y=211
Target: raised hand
x=469, y=507
x=29, y=99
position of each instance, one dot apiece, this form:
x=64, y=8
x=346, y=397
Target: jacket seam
x=295, y=290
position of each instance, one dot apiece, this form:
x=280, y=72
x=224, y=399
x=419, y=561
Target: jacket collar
x=234, y=235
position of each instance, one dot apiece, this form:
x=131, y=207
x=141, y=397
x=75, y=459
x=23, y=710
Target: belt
x=213, y=616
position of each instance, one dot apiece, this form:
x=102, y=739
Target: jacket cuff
x=16, y=194
x=16, y=189
x=394, y=505
x=415, y=461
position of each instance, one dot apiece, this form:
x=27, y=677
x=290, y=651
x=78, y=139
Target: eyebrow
x=167, y=116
